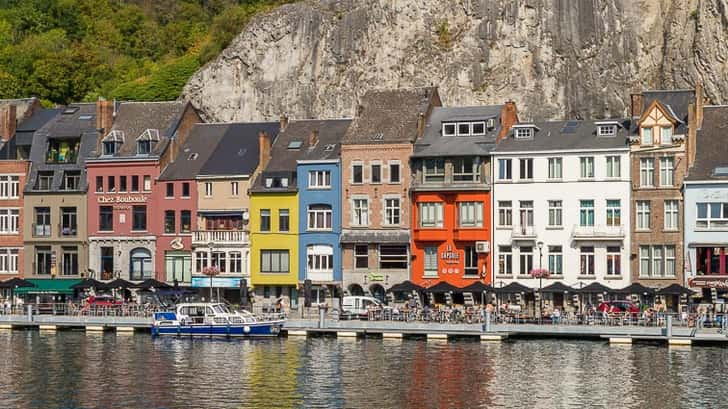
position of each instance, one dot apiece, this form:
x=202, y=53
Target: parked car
x=103, y=301
x=619, y=306
x=358, y=306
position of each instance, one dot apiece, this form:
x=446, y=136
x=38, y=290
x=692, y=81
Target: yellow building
x=274, y=223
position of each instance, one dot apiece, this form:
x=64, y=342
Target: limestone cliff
x=555, y=58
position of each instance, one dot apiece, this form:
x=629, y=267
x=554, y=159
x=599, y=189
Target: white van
x=358, y=305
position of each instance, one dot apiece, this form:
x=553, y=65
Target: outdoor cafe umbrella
x=635, y=288
x=16, y=282
x=477, y=287
x=443, y=287
x=152, y=283
x=674, y=289
x=120, y=283
x=89, y=283
x=405, y=287
x=558, y=287
x=594, y=288
x=513, y=288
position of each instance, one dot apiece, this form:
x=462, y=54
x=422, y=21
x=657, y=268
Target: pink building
x=126, y=224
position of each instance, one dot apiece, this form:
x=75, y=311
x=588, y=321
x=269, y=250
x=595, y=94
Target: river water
x=75, y=370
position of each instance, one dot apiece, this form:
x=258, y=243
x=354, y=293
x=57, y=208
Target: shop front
x=50, y=293
x=227, y=288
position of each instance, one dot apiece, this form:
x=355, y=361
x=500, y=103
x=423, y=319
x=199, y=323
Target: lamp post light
x=540, y=281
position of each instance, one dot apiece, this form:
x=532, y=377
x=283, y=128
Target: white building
x=563, y=186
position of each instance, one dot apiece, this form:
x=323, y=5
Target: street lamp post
x=540, y=281
x=210, y=246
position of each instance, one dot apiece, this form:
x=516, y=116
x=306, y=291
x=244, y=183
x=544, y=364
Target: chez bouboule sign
x=108, y=199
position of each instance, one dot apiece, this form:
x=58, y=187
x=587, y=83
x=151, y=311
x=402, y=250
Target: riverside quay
x=408, y=202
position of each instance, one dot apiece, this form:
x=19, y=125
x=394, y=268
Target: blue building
x=706, y=208
x=319, y=187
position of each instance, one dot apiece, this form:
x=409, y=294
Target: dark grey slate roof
x=64, y=126
x=390, y=116
x=711, y=145
x=553, y=135
x=200, y=144
x=26, y=129
x=434, y=143
x=675, y=101
x=283, y=160
x=238, y=152
x=134, y=118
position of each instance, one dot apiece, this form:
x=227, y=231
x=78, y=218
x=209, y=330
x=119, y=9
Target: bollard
x=30, y=313
x=668, y=326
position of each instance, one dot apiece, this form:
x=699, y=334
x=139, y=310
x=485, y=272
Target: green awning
x=49, y=286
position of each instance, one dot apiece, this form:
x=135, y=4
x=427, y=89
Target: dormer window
x=112, y=142
x=525, y=132
x=647, y=136
x=144, y=147
x=284, y=182
x=110, y=148
x=463, y=128
x=146, y=141
x=606, y=130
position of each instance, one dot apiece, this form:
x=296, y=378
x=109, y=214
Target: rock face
x=555, y=58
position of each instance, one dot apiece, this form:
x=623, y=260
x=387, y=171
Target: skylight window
x=295, y=144
x=85, y=117
x=70, y=110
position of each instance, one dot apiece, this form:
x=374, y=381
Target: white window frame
x=523, y=133
x=585, y=256
x=454, y=126
x=9, y=220
x=320, y=258
x=283, y=261
x=9, y=187
x=586, y=167
x=647, y=172
x=525, y=169
x=505, y=166
x=525, y=261
x=505, y=213
x=470, y=214
x=614, y=166
x=360, y=211
x=556, y=260
x=556, y=213
x=643, y=211
x=430, y=261
x=208, y=189
x=666, y=135
x=555, y=168
x=392, y=210
x=614, y=260
x=319, y=217
x=505, y=260
x=606, y=130
x=710, y=222
x=614, y=212
x=644, y=141
x=319, y=179
x=470, y=262
x=431, y=214
x=463, y=175
x=8, y=260
x=236, y=262
x=667, y=171
x=672, y=213
x=436, y=174
x=234, y=189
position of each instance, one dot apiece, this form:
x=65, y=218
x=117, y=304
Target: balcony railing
x=318, y=276
x=68, y=230
x=600, y=232
x=523, y=233
x=41, y=230
x=220, y=236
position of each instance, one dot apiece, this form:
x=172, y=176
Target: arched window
x=377, y=292
x=355, y=289
x=141, y=264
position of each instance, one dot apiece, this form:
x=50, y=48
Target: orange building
x=451, y=217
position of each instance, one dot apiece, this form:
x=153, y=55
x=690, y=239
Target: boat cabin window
x=209, y=311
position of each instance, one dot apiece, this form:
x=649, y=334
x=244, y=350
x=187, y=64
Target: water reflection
x=75, y=370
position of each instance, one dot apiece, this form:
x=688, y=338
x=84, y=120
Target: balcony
x=203, y=237
x=320, y=276
x=523, y=233
x=597, y=233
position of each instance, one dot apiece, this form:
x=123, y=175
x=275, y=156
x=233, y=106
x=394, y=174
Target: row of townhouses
x=405, y=190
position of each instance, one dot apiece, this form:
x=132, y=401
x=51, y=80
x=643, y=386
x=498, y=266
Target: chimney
x=638, y=101
x=508, y=117
x=420, y=125
x=104, y=115
x=313, y=138
x=699, y=100
x=283, y=122
x=691, y=144
x=8, y=122
x=263, y=149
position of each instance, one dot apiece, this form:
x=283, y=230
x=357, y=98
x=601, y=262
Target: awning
x=443, y=287
x=707, y=244
x=558, y=287
x=50, y=286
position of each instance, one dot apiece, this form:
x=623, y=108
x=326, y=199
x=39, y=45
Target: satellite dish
x=246, y=216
